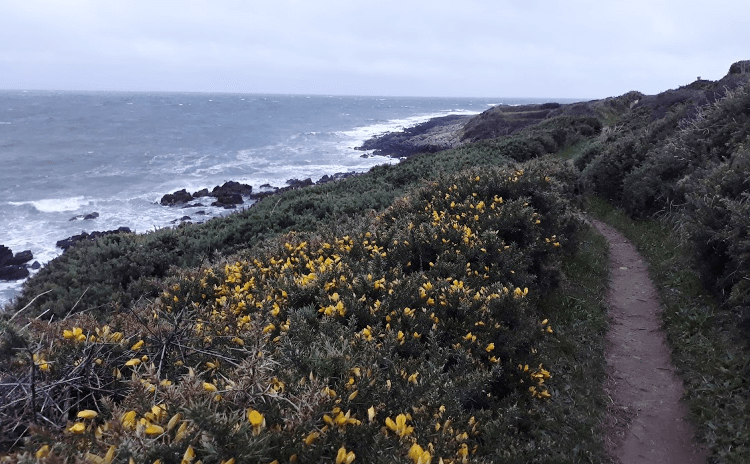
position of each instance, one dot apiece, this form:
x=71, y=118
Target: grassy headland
x=446, y=308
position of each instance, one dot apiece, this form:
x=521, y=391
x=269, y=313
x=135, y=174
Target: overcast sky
x=482, y=48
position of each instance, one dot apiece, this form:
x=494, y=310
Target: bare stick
x=32, y=300
x=79, y=300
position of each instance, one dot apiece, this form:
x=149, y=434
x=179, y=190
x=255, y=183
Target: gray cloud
x=579, y=48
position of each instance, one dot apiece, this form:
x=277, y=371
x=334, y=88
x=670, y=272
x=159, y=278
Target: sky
x=468, y=48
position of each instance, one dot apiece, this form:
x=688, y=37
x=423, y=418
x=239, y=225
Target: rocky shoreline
x=452, y=131
x=437, y=134
x=229, y=195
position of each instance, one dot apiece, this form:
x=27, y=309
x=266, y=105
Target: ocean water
x=65, y=154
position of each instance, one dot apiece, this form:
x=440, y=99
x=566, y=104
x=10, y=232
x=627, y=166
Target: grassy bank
x=708, y=345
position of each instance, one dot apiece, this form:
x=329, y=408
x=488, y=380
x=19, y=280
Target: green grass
x=708, y=349
x=577, y=353
x=574, y=151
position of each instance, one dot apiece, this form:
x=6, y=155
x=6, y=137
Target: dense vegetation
x=448, y=308
x=692, y=164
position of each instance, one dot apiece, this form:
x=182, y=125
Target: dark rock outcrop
x=232, y=188
x=228, y=195
x=86, y=217
x=177, y=198
x=13, y=267
x=437, y=134
x=296, y=183
x=22, y=257
x=5, y=254
x=72, y=240
x=338, y=176
x=228, y=201
x=13, y=272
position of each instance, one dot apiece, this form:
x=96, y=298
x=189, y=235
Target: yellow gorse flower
x=78, y=427
x=42, y=452
x=153, y=429
x=419, y=455
x=189, y=455
x=399, y=425
x=87, y=414
x=311, y=437
x=344, y=457
x=257, y=421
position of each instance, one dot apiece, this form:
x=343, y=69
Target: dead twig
x=32, y=300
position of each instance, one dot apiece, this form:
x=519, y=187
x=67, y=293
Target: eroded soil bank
x=647, y=422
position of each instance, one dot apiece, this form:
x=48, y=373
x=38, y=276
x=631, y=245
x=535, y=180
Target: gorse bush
x=690, y=165
x=410, y=335
x=718, y=220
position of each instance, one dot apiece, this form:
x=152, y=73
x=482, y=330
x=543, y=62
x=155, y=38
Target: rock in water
x=228, y=201
x=232, y=188
x=72, y=240
x=176, y=198
x=20, y=258
x=296, y=183
x=13, y=272
x=11, y=267
x=5, y=254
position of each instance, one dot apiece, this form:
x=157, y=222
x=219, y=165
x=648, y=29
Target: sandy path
x=648, y=421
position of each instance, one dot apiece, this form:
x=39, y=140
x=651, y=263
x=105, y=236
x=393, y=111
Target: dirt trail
x=647, y=421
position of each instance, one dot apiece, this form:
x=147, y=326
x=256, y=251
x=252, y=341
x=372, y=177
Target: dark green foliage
x=690, y=164
x=718, y=219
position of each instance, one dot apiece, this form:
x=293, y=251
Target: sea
x=67, y=154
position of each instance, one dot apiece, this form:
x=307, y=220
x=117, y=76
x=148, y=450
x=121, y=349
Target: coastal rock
x=232, y=188
x=338, y=176
x=72, y=240
x=228, y=201
x=177, y=198
x=86, y=217
x=13, y=272
x=5, y=254
x=296, y=183
x=12, y=266
x=227, y=195
x=19, y=258
x=36, y=265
